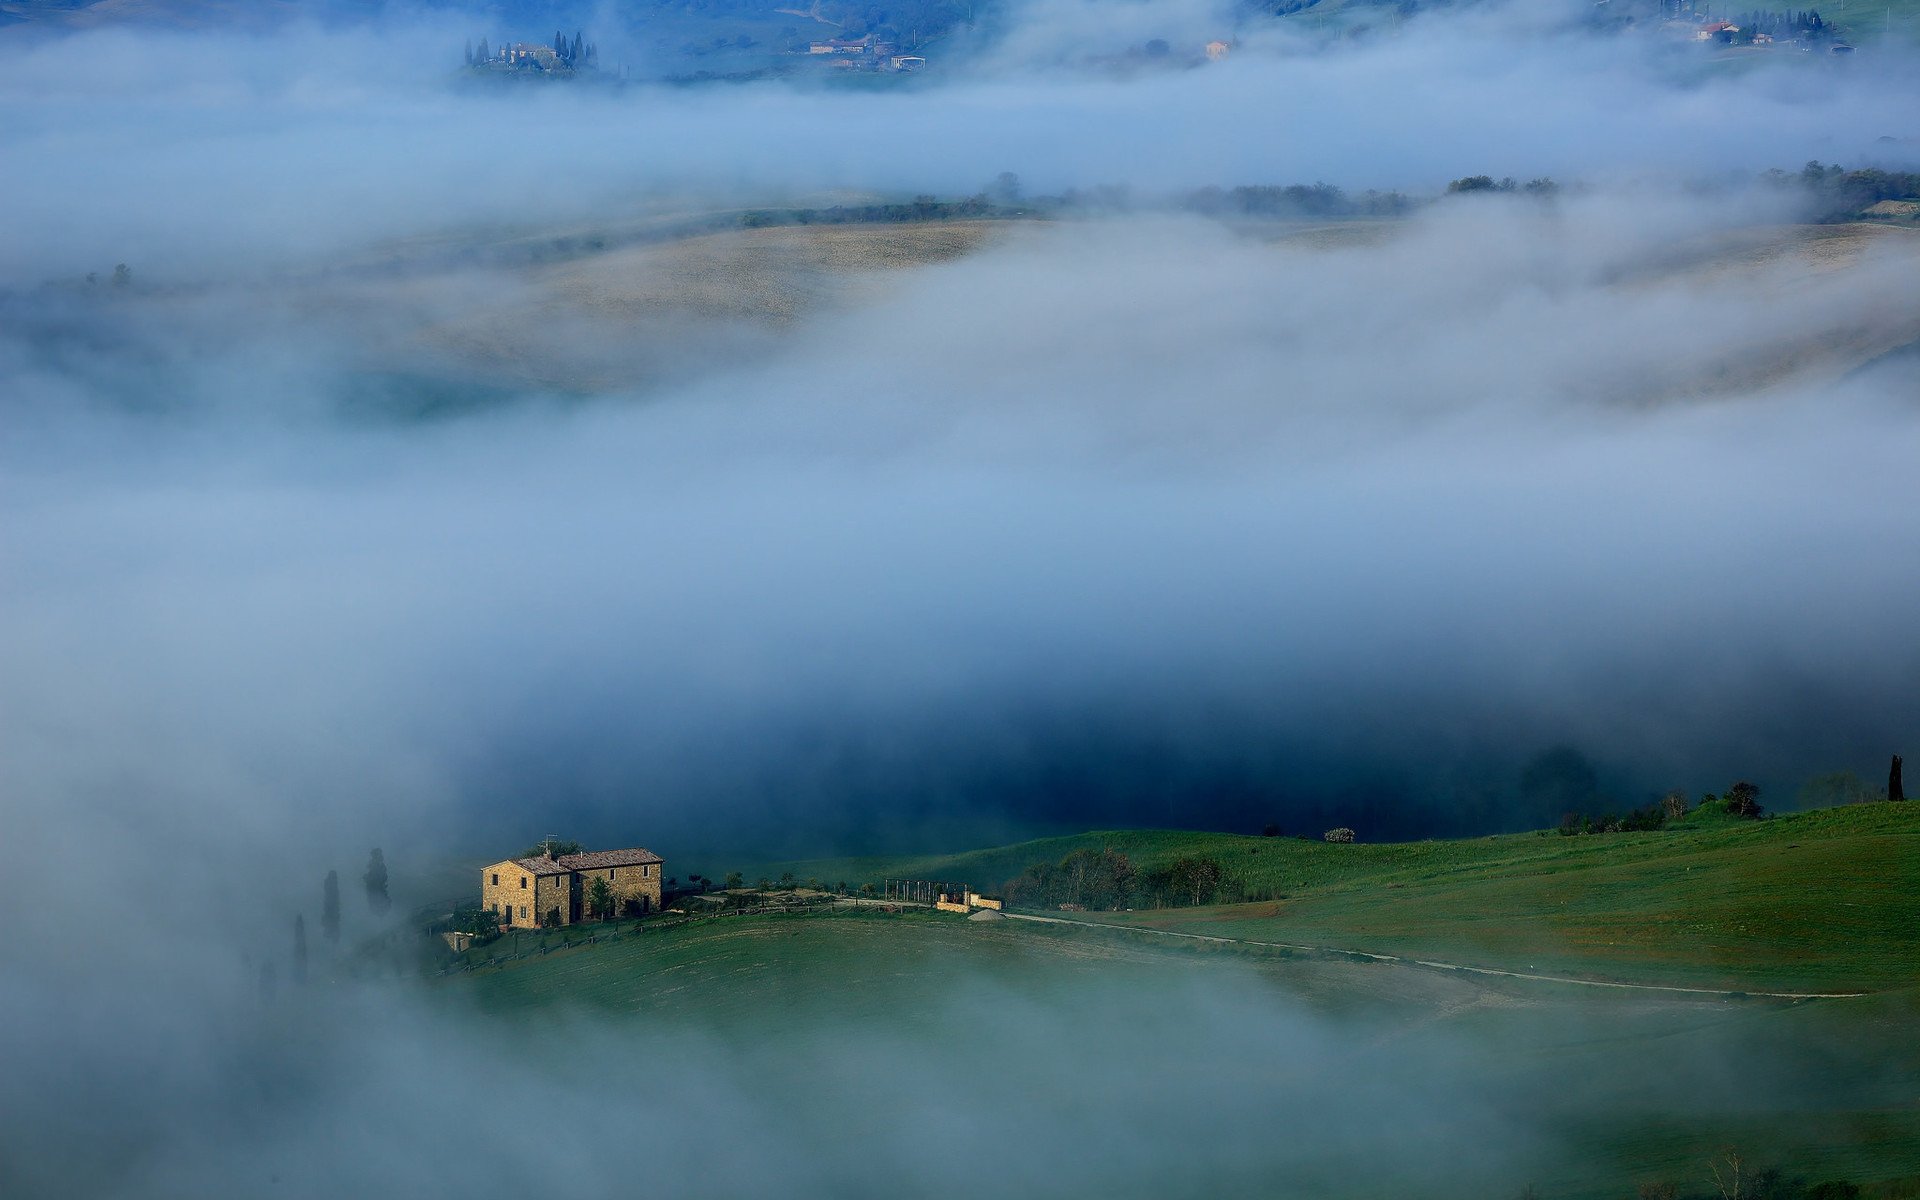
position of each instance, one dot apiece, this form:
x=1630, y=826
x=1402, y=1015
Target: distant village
x=563, y=57
x=1803, y=30
x=867, y=53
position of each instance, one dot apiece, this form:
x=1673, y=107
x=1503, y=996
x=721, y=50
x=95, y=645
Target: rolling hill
x=1827, y=900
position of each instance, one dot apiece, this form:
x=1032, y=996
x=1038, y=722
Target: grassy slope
x=1635, y=1113
x=1824, y=900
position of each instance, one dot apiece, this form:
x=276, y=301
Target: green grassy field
x=1827, y=900
x=1614, y=1088
x=1870, y=20
x=1584, y=1092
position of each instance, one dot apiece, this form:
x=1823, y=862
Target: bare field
x=637, y=317
x=645, y=315
x=774, y=274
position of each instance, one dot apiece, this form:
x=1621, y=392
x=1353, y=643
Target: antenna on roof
x=548, y=842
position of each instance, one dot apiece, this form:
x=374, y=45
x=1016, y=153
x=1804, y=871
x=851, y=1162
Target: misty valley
x=1098, y=598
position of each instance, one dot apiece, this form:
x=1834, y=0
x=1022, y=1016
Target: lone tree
x=1743, y=800
x=330, y=908
x=376, y=881
x=600, y=899
x=1894, y=790
x=300, y=948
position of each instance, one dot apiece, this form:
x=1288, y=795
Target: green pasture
x=1827, y=900
x=1617, y=1088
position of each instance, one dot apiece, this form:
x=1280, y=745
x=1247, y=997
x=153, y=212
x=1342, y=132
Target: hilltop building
x=529, y=892
x=564, y=56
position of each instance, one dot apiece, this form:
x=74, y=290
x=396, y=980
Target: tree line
x=1838, y=194
x=1742, y=799
x=1295, y=200
x=1106, y=880
x=373, y=880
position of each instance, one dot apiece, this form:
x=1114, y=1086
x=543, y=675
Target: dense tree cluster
x=921, y=208
x=1106, y=880
x=1653, y=816
x=1295, y=200
x=1101, y=880
x=1842, y=195
x=1542, y=186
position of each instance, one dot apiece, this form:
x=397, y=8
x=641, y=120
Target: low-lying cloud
x=322, y=531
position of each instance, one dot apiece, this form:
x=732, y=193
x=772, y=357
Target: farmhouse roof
x=596, y=859
x=593, y=860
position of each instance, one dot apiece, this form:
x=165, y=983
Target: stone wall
x=543, y=893
x=551, y=892
x=642, y=881
x=507, y=896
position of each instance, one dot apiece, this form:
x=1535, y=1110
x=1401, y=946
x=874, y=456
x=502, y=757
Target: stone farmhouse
x=527, y=892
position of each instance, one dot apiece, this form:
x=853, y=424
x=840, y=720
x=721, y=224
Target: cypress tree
x=330, y=908
x=1894, y=789
x=376, y=881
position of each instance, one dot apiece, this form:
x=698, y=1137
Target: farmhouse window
x=523, y=912
x=496, y=879
x=523, y=883
x=646, y=872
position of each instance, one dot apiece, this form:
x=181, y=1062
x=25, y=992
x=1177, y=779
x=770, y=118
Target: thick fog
x=331, y=528
x=228, y=151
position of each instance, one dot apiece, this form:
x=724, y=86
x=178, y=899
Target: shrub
x=600, y=900
x=1342, y=834
x=482, y=923
x=1743, y=800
